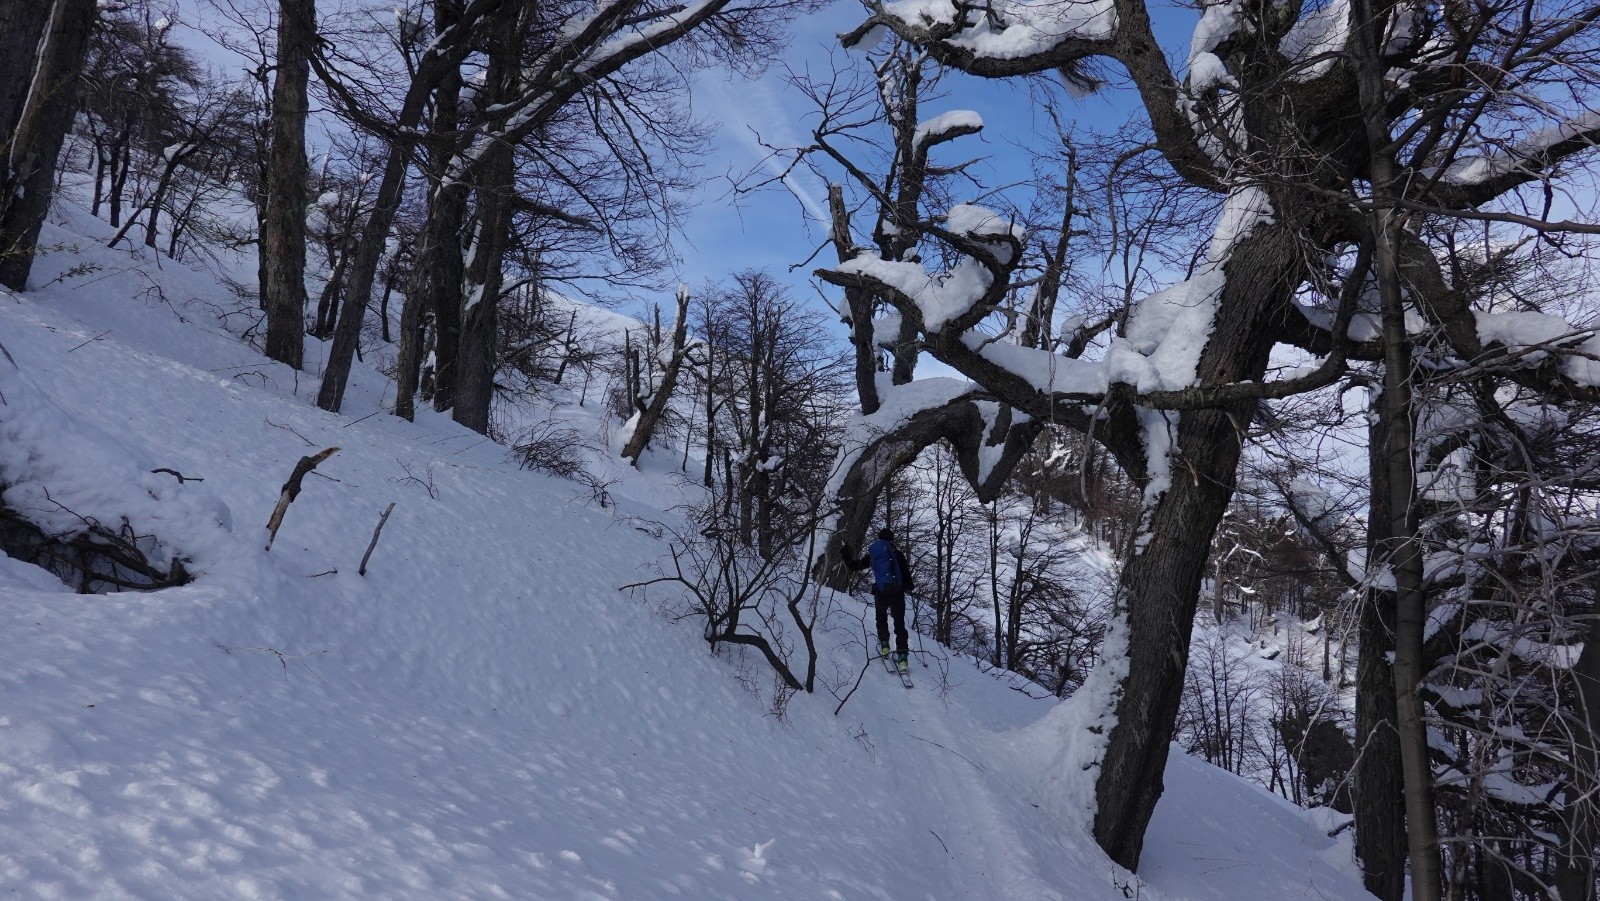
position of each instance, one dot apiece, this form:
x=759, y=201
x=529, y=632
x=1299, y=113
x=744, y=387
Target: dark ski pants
x=892, y=601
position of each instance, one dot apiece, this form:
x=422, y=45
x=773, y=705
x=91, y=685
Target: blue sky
x=769, y=230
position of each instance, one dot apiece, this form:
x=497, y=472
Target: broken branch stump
x=291, y=490
x=374, y=543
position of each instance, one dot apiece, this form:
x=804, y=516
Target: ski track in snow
x=484, y=714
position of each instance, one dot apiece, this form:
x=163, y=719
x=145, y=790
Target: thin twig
x=943, y=748
x=88, y=342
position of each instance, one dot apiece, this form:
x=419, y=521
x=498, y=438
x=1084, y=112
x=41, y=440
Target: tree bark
x=1378, y=790
x=435, y=67
x=1403, y=552
x=283, y=221
x=859, y=303
x=1159, y=587
x=435, y=287
x=1575, y=874
x=495, y=181
x=42, y=47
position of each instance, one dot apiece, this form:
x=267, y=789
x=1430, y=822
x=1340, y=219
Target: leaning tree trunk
x=363, y=270
x=42, y=45
x=870, y=467
x=1159, y=587
x=650, y=411
x=283, y=219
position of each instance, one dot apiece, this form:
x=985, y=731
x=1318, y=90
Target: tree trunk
x=1575, y=874
x=121, y=163
x=493, y=178
x=479, y=313
x=1159, y=586
x=363, y=270
x=283, y=233
x=1403, y=553
x=1378, y=789
x=42, y=46
x=859, y=303
x=374, y=235
x=651, y=414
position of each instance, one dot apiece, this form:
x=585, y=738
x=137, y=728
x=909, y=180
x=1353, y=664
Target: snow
x=1207, y=71
x=1519, y=331
x=1502, y=160
x=1217, y=23
x=870, y=40
x=1046, y=371
x=1017, y=28
x=1169, y=329
x=940, y=298
x=1311, y=500
x=938, y=127
x=483, y=714
x=1320, y=32
x=1166, y=333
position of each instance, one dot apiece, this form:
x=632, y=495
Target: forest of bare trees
x=1297, y=367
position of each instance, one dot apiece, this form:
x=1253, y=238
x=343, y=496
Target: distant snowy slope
x=483, y=714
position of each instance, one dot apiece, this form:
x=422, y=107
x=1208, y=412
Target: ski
x=904, y=676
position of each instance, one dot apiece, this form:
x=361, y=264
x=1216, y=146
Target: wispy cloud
x=755, y=121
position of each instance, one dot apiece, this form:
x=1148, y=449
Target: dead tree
x=651, y=404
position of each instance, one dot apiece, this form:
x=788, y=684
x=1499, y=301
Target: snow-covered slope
x=483, y=714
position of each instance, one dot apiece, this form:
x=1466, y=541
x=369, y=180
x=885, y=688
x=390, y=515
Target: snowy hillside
x=484, y=714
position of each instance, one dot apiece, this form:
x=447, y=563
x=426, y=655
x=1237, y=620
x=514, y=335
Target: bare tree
x=652, y=402
x=1279, y=120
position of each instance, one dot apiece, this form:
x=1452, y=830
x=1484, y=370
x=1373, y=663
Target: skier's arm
x=850, y=558
x=905, y=571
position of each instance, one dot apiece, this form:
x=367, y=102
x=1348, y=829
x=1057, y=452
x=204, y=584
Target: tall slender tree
x=283, y=221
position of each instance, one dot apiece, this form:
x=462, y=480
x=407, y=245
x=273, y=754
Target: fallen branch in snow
x=976, y=766
x=291, y=490
x=92, y=340
x=859, y=677
x=283, y=660
x=362, y=570
x=269, y=422
x=177, y=475
x=94, y=555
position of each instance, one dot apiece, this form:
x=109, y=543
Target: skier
x=891, y=579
